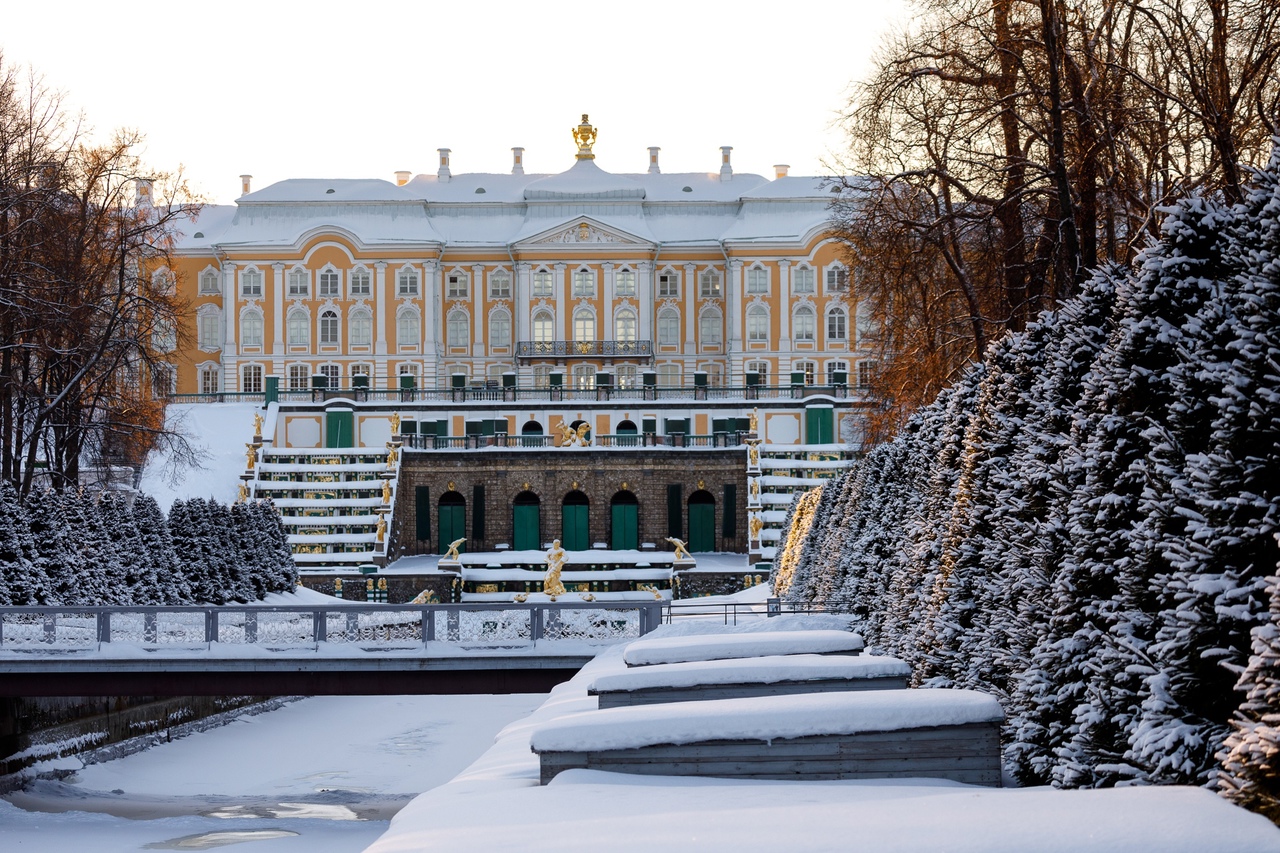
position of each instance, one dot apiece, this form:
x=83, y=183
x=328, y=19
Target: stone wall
x=401, y=588
x=551, y=474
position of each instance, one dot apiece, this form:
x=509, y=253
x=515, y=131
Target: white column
x=229, y=308
x=644, y=287
x=431, y=323
x=381, y=304
x=690, y=310
x=522, y=301
x=607, y=331
x=479, y=320
x=277, y=308
x=561, y=294
x=733, y=309
x=784, y=306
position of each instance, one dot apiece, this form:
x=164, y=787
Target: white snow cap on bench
x=762, y=670
x=764, y=718
x=705, y=647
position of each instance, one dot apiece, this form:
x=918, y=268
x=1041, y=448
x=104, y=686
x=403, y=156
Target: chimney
x=517, y=161
x=780, y=170
x=726, y=169
x=402, y=177
x=142, y=192
x=443, y=172
x=244, y=184
x=653, y=160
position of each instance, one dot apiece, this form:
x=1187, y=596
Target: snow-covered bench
x=708, y=647
x=946, y=734
x=774, y=675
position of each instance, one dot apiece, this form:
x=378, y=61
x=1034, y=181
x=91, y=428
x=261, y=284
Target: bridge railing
x=352, y=627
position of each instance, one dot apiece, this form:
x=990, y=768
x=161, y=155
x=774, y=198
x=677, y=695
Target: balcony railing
x=584, y=349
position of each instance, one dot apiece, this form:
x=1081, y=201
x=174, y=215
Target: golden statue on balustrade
x=585, y=135
x=682, y=550
x=551, y=584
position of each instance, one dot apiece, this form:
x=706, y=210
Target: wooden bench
x=708, y=647
x=775, y=675
x=944, y=734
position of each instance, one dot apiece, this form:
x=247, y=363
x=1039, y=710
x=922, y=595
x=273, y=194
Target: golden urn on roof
x=585, y=135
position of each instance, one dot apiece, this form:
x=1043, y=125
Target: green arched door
x=573, y=528
x=702, y=521
x=453, y=520
x=526, y=518
x=624, y=527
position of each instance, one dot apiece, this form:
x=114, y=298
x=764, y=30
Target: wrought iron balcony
x=584, y=349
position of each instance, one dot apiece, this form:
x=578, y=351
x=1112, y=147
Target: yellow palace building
x=690, y=341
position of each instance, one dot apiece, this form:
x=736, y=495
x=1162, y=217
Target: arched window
x=668, y=326
x=210, y=379
x=761, y=369
x=802, y=280
x=624, y=283
x=458, y=333
x=709, y=327
x=584, y=325
x=544, y=327
x=330, y=286
x=837, y=324
x=867, y=325
x=251, y=284
x=298, y=329
x=209, y=327
x=251, y=329
x=361, y=328
x=251, y=379
x=361, y=284
x=805, y=324
x=408, y=328
x=624, y=325
x=329, y=328
x=499, y=329
x=758, y=324
x=758, y=280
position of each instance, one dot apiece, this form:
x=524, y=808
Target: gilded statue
x=755, y=488
x=392, y=455
x=756, y=524
x=382, y=528
x=452, y=553
x=570, y=437
x=244, y=494
x=257, y=423
x=682, y=551
x=250, y=456
x=395, y=423
x=755, y=420
x=585, y=135
x=386, y=491
x=551, y=584
x=753, y=455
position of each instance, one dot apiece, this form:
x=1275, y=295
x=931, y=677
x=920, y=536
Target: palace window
x=761, y=368
x=669, y=375
x=866, y=373
x=542, y=286
x=298, y=329
x=458, y=331
x=867, y=327
x=361, y=282
x=757, y=280
x=361, y=334
x=329, y=328
x=299, y=283
x=709, y=284
x=624, y=325
x=500, y=284
x=542, y=376
x=584, y=325
x=802, y=280
x=164, y=337
x=709, y=328
x=837, y=279
x=808, y=368
x=584, y=283
x=162, y=281
x=837, y=324
x=500, y=329
x=584, y=376
x=626, y=375
x=209, y=283
x=624, y=283
x=668, y=326
x=251, y=379
x=544, y=327
x=668, y=285
x=209, y=329
x=409, y=370
x=836, y=366
x=408, y=328
x=299, y=377
x=251, y=329
x=251, y=284
x=210, y=379
x=757, y=324
x=361, y=370
x=164, y=381
x=457, y=285
x=407, y=282
x=805, y=324
x=330, y=284
x=332, y=375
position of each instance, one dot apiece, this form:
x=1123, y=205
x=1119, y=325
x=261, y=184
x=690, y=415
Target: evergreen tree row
x=76, y=549
x=1085, y=524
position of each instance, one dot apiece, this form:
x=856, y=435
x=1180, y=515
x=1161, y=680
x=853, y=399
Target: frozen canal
x=322, y=775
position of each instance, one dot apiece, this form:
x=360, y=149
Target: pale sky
x=359, y=90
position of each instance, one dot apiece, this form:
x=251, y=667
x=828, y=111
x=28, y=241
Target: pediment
x=583, y=232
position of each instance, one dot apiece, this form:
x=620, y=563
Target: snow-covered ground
x=323, y=774
x=218, y=433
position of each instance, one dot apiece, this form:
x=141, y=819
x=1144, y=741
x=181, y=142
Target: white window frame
x=584, y=283
x=810, y=369
x=583, y=376
x=209, y=283
x=711, y=328
x=759, y=334
x=758, y=279
x=408, y=282
x=298, y=377
x=543, y=284
x=360, y=328
x=251, y=283
x=668, y=284
x=332, y=374
x=210, y=378
x=360, y=283
x=709, y=284
x=866, y=372
x=580, y=318
x=669, y=375
x=164, y=380
x=625, y=325
x=543, y=326
x=252, y=328
x=458, y=329
x=209, y=328
x=837, y=278
x=626, y=376
x=251, y=381
x=329, y=283
x=804, y=324
x=624, y=282
x=500, y=284
x=803, y=279
x=500, y=328
x=408, y=320
x=760, y=368
x=668, y=327
x=163, y=281
x=298, y=328
x=837, y=324
x=329, y=328
x=457, y=285
x=299, y=283
x=164, y=335
x=833, y=366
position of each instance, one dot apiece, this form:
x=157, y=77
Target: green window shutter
x=649, y=425
x=442, y=428
x=675, y=512
x=729, y=527
x=422, y=511
x=477, y=512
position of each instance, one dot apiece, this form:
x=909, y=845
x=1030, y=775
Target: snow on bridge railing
x=349, y=627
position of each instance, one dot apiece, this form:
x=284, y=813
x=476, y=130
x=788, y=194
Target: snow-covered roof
x=760, y=670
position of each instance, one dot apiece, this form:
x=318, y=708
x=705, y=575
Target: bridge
x=339, y=649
